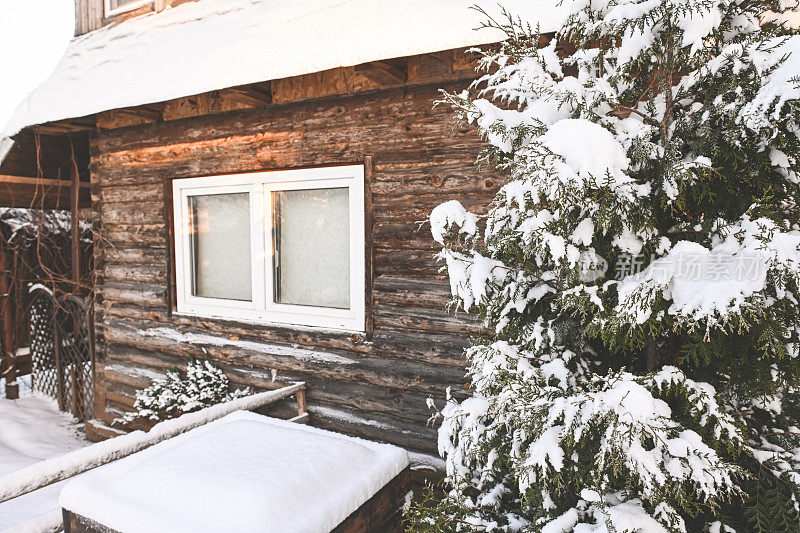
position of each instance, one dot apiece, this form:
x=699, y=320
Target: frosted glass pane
x=221, y=264
x=312, y=247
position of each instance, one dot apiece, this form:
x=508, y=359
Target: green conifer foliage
x=202, y=386
x=639, y=272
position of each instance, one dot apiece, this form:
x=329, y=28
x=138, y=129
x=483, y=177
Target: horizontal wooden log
x=141, y=236
x=133, y=213
x=128, y=255
x=148, y=317
x=123, y=379
x=419, y=319
x=405, y=262
x=144, y=192
x=420, y=292
x=420, y=346
x=440, y=349
x=146, y=274
x=370, y=109
x=415, y=437
x=133, y=292
x=392, y=373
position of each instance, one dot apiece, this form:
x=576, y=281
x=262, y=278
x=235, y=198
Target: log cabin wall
x=375, y=387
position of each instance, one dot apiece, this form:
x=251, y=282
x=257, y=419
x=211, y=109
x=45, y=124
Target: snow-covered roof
x=208, y=45
x=245, y=472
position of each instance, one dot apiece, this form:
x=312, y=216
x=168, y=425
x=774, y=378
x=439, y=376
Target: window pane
x=221, y=246
x=312, y=247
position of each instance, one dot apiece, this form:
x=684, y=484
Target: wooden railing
x=44, y=473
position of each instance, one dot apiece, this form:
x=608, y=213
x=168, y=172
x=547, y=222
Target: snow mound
x=244, y=472
x=32, y=429
x=445, y=215
x=588, y=148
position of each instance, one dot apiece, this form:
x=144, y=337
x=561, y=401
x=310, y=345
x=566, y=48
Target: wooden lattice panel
x=42, y=345
x=62, y=354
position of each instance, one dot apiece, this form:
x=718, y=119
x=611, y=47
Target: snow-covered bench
x=244, y=472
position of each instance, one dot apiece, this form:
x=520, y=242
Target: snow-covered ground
x=25, y=388
x=32, y=429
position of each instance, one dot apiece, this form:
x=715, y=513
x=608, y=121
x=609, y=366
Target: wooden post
x=76, y=230
x=369, y=303
x=302, y=407
x=59, y=364
x=7, y=321
x=171, y=293
x=73, y=374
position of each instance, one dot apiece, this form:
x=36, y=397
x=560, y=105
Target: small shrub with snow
x=640, y=272
x=203, y=385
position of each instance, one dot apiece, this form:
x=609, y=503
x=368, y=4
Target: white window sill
x=344, y=331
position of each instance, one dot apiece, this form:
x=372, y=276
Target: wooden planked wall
x=90, y=14
x=372, y=388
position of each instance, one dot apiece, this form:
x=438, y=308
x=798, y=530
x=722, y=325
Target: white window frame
x=262, y=308
x=110, y=12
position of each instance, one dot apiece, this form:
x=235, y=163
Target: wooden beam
x=42, y=182
x=54, y=129
x=369, y=326
x=61, y=127
x=147, y=113
x=249, y=95
x=7, y=320
x=382, y=73
x=171, y=292
x=75, y=241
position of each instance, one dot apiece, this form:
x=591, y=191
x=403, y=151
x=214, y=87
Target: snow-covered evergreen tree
x=203, y=385
x=638, y=274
